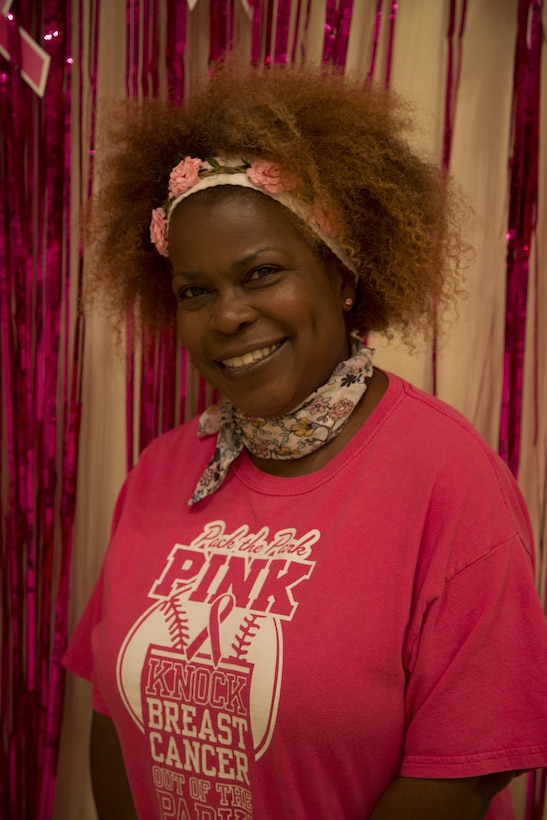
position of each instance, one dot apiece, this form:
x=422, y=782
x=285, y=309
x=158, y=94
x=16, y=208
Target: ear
x=346, y=281
x=347, y=289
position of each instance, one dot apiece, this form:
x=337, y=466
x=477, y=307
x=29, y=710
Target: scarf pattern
x=316, y=421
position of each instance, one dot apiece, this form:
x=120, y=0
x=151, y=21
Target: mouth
x=250, y=358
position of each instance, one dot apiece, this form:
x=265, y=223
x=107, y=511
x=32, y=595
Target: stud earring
x=348, y=301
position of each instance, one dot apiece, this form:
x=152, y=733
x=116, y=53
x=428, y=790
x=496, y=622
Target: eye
x=189, y=292
x=262, y=273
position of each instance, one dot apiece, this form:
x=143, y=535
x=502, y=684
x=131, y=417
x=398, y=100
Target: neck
x=313, y=462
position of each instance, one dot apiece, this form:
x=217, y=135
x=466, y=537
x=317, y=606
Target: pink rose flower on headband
x=157, y=231
x=269, y=176
x=184, y=176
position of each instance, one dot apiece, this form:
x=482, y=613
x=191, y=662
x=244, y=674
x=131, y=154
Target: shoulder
x=444, y=438
x=465, y=480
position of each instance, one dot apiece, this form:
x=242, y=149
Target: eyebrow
x=240, y=263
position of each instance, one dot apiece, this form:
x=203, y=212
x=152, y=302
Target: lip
x=233, y=361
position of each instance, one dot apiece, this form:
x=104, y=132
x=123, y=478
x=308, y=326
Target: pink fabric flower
x=323, y=221
x=157, y=231
x=184, y=176
x=269, y=176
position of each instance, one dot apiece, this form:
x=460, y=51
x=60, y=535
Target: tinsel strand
x=521, y=223
x=176, y=43
x=16, y=713
x=375, y=41
x=391, y=40
x=337, y=27
x=256, y=35
x=523, y=200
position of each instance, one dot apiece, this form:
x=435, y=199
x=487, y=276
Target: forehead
x=233, y=211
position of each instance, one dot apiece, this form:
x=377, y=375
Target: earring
x=348, y=301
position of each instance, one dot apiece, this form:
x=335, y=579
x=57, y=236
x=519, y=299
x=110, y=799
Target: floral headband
x=192, y=175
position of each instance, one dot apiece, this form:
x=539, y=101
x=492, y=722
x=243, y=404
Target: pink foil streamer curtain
x=132, y=49
x=263, y=28
x=376, y=35
x=282, y=31
x=523, y=169
x=523, y=201
x=257, y=29
x=150, y=49
x=337, y=26
x=176, y=43
x=267, y=29
x=39, y=410
x=142, y=48
x=221, y=36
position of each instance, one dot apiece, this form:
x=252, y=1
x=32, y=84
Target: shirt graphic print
x=200, y=671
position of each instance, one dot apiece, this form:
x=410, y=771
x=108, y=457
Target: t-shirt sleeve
x=476, y=696
x=78, y=657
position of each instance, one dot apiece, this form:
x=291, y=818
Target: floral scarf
x=316, y=421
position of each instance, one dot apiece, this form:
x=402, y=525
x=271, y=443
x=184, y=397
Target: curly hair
x=397, y=216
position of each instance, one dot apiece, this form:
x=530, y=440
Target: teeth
x=249, y=358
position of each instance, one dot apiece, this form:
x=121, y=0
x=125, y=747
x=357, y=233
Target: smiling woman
x=317, y=593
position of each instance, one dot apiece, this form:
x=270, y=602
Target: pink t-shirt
x=287, y=647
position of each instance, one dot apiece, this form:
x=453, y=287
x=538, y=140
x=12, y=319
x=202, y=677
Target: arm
x=413, y=798
x=111, y=791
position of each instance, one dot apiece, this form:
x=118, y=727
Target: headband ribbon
x=192, y=175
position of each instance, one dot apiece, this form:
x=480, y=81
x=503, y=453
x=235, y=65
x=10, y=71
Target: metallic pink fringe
x=523, y=200
x=40, y=401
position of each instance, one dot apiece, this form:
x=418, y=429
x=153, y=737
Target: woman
x=318, y=600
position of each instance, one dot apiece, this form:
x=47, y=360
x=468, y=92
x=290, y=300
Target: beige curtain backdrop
x=469, y=364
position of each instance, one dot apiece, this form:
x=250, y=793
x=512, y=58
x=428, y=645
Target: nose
x=232, y=310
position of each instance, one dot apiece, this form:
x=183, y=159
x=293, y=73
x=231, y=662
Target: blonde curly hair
x=397, y=216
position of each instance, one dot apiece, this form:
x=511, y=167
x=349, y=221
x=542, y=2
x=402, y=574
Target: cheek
x=189, y=333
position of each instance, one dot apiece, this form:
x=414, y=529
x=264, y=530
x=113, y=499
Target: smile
x=252, y=357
